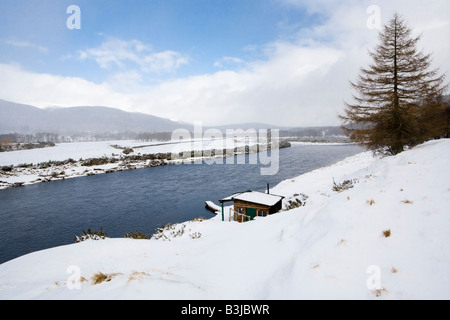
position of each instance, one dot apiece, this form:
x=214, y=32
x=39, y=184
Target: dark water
x=51, y=214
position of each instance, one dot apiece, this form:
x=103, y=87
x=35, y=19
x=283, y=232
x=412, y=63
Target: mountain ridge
x=15, y=117
x=27, y=119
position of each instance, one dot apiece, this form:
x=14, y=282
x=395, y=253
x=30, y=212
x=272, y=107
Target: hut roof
x=254, y=197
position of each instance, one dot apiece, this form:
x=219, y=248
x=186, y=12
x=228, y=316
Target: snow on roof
x=255, y=197
x=230, y=198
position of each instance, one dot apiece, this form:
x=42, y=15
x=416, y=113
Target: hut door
x=251, y=212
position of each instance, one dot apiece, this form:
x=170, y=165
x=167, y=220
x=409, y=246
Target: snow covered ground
x=386, y=237
x=23, y=175
x=85, y=150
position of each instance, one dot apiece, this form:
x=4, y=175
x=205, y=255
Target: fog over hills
x=92, y=121
x=22, y=118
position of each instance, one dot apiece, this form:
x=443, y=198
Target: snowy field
x=20, y=176
x=385, y=237
x=85, y=150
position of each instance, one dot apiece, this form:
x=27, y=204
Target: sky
x=282, y=62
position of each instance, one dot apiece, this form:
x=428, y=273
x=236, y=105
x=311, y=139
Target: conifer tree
x=394, y=94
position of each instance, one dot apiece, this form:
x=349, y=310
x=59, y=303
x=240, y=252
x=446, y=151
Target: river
x=46, y=215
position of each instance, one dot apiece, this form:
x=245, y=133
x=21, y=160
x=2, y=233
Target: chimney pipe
x=268, y=189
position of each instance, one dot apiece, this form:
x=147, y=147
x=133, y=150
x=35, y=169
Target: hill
x=105, y=123
x=22, y=118
x=370, y=229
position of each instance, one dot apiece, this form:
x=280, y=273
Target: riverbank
x=111, y=157
x=370, y=229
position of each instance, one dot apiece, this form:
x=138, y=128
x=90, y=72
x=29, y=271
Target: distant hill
x=22, y=118
x=322, y=131
x=109, y=123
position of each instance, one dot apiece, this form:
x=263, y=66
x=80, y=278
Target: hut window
x=240, y=210
x=262, y=213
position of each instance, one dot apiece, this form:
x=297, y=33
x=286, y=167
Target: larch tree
x=398, y=96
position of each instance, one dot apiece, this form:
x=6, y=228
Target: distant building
x=250, y=204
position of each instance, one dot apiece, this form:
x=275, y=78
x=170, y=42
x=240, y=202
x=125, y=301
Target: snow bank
x=22, y=174
x=385, y=237
x=98, y=149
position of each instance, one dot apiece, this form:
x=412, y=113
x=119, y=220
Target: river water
x=51, y=214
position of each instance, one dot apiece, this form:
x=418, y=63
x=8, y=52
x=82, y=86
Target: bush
x=284, y=144
x=299, y=200
x=136, y=235
x=195, y=235
x=91, y=235
x=7, y=168
x=25, y=165
x=345, y=185
x=168, y=231
x=95, y=161
x=294, y=204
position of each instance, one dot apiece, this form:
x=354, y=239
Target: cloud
x=228, y=62
x=26, y=44
x=122, y=54
x=302, y=81
x=278, y=91
x=41, y=90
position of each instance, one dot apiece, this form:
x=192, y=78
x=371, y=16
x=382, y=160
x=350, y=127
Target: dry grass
x=379, y=292
x=100, y=277
x=387, y=233
x=138, y=276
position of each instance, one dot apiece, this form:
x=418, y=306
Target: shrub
x=95, y=161
x=25, y=165
x=168, y=231
x=284, y=144
x=7, y=168
x=127, y=151
x=136, y=235
x=91, y=235
x=345, y=185
x=299, y=200
x=195, y=235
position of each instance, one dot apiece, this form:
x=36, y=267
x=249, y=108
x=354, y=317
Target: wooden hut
x=250, y=204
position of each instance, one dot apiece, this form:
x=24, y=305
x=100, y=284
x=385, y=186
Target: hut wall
x=242, y=204
x=277, y=207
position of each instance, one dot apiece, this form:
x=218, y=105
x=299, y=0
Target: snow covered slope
x=385, y=237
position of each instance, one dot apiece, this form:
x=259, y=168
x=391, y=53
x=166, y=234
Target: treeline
x=84, y=137
x=149, y=136
x=313, y=132
x=7, y=145
x=30, y=138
